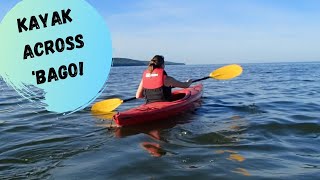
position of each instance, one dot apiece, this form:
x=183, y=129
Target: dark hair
x=156, y=62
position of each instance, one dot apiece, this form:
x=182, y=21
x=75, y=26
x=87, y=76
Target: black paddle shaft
x=126, y=100
x=133, y=98
x=201, y=79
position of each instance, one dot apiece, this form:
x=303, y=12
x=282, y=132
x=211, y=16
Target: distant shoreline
x=131, y=62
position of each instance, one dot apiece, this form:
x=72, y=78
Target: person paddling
x=156, y=85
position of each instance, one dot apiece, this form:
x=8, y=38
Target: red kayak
x=183, y=100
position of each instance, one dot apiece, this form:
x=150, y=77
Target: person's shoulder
x=165, y=73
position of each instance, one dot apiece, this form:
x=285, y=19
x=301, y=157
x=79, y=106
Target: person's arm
x=139, y=93
x=170, y=81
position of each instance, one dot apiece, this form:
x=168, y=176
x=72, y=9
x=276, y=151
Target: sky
x=211, y=31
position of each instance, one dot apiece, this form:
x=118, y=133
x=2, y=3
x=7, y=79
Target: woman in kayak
x=156, y=85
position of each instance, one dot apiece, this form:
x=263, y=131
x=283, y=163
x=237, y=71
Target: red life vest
x=153, y=86
x=153, y=80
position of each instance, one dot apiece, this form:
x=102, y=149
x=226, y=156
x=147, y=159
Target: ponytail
x=152, y=65
x=156, y=62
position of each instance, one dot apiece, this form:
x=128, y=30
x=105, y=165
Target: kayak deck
x=183, y=100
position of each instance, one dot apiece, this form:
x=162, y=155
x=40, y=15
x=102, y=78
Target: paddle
x=223, y=73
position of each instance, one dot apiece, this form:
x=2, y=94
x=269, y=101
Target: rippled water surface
x=263, y=124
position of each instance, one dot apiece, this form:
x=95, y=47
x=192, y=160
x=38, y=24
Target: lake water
x=263, y=124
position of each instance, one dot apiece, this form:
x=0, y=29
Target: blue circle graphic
x=56, y=53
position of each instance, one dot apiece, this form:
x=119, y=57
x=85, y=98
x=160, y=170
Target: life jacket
x=153, y=86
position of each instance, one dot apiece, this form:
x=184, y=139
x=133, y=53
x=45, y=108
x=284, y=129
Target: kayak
x=183, y=100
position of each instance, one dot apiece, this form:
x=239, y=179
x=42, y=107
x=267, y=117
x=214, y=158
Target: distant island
x=132, y=62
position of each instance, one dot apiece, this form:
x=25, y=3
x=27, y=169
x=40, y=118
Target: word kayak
x=183, y=100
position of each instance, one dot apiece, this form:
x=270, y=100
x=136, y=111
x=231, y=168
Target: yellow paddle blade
x=227, y=72
x=107, y=105
x=104, y=116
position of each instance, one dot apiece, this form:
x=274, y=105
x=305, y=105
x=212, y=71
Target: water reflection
x=228, y=135
x=237, y=126
x=235, y=157
x=241, y=171
x=153, y=130
x=104, y=116
x=153, y=148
